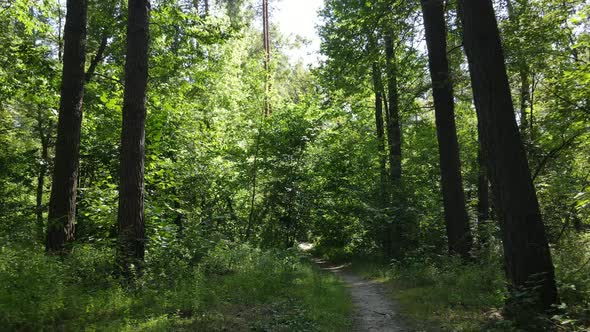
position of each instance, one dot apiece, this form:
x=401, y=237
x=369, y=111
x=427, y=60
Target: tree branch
x=553, y=153
x=97, y=57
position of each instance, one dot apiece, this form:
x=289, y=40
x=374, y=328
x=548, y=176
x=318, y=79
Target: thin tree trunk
x=60, y=44
x=380, y=131
x=41, y=184
x=525, y=98
x=131, y=246
x=394, y=136
x=526, y=252
x=266, y=43
x=97, y=57
x=456, y=218
x=62, y=203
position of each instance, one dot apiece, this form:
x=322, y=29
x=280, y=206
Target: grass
x=231, y=287
x=447, y=296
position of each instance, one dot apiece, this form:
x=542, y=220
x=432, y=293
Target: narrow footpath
x=374, y=311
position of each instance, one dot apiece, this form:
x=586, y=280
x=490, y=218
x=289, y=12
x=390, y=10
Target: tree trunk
x=526, y=251
x=62, y=203
x=394, y=137
x=525, y=98
x=41, y=184
x=382, y=199
x=456, y=218
x=266, y=44
x=380, y=130
x=131, y=246
x=399, y=230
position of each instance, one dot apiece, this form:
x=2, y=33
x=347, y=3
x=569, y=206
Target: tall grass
x=231, y=287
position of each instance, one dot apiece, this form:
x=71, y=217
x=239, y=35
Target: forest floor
x=373, y=308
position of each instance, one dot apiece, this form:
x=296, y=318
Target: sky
x=299, y=17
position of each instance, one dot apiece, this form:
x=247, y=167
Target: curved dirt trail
x=373, y=309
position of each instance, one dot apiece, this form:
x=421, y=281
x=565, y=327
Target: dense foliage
x=229, y=189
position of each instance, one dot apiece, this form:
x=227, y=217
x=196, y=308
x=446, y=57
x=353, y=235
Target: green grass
x=447, y=296
x=231, y=287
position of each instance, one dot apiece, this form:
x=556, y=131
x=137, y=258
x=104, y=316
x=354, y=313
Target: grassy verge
x=446, y=296
x=229, y=288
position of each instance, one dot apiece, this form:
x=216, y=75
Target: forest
x=166, y=165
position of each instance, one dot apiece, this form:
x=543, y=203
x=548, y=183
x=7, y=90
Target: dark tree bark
x=131, y=245
x=62, y=203
x=394, y=136
x=456, y=218
x=380, y=130
x=526, y=252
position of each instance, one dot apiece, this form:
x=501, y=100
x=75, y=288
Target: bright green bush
x=572, y=267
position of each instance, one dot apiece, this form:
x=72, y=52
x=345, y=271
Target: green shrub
x=90, y=266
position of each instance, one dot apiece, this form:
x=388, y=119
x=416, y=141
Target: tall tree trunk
x=526, y=251
x=380, y=130
x=382, y=199
x=394, y=136
x=131, y=246
x=62, y=203
x=398, y=230
x=456, y=218
x=266, y=44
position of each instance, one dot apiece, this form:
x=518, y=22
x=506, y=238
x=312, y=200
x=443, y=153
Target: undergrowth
x=231, y=287
x=441, y=293
x=445, y=295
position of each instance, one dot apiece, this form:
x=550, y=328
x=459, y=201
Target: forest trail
x=374, y=311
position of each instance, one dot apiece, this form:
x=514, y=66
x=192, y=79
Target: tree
x=456, y=219
x=130, y=219
x=62, y=203
x=395, y=229
x=526, y=252
x=379, y=127
x=394, y=133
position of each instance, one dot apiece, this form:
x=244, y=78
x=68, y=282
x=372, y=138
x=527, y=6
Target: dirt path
x=373, y=309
